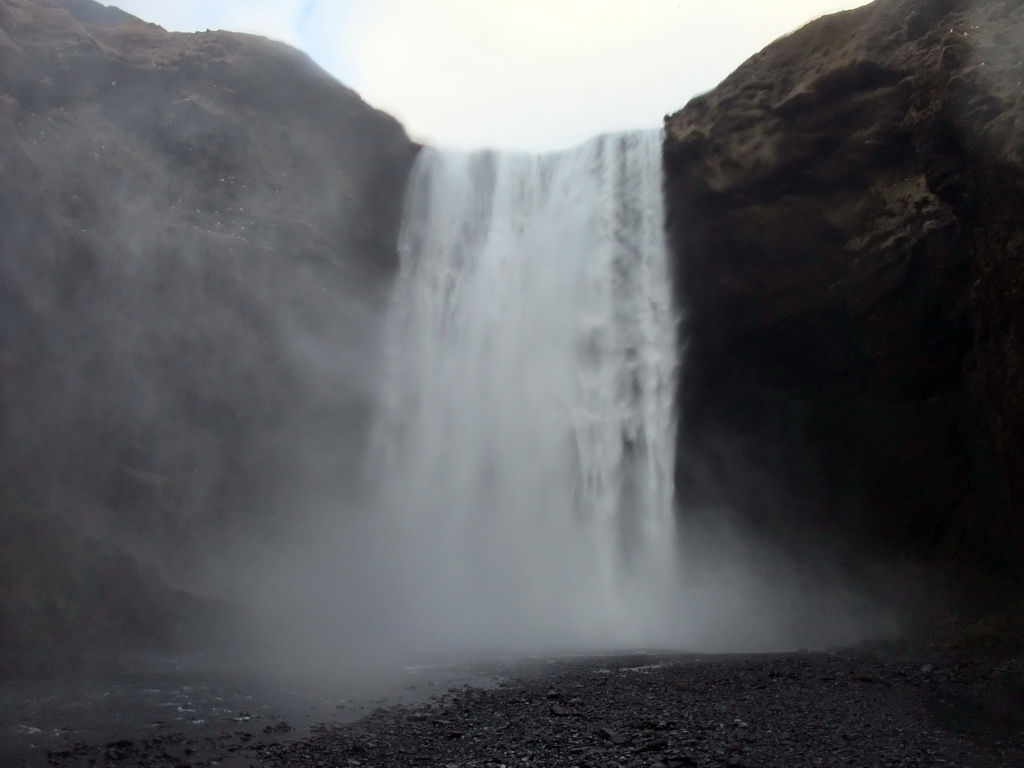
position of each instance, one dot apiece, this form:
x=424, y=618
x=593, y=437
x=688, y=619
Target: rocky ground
x=865, y=707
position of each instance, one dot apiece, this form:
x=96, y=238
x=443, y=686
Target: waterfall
x=525, y=441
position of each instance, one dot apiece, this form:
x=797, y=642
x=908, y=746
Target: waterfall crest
x=525, y=442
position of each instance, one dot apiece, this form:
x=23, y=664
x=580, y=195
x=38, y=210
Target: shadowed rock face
x=197, y=235
x=846, y=213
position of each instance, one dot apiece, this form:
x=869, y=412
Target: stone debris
x=770, y=711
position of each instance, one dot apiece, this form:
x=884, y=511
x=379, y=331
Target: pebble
x=769, y=711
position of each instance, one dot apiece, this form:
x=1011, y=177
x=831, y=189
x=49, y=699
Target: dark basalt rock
x=64, y=589
x=197, y=232
x=804, y=709
x=845, y=210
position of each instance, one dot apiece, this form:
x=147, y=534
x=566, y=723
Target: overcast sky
x=512, y=74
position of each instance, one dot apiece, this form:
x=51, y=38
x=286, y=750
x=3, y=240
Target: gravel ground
x=850, y=708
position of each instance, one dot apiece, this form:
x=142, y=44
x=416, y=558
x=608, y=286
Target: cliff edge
x=198, y=232
x=845, y=210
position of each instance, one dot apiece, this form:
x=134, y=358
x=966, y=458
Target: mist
x=516, y=494
x=278, y=432
x=221, y=379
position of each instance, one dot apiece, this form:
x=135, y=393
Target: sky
x=532, y=75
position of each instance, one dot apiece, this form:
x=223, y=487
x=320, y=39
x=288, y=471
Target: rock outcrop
x=197, y=233
x=847, y=213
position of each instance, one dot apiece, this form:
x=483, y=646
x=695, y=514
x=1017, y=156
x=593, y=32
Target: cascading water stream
x=526, y=439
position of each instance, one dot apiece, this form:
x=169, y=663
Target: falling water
x=526, y=437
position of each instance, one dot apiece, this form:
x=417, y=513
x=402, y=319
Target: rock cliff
x=197, y=233
x=196, y=237
x=847, y=214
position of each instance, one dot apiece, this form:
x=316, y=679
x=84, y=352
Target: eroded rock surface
x=197, y=236
x=846, y=212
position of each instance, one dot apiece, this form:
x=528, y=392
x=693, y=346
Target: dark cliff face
x=846, y=214
x=197, y=236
